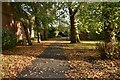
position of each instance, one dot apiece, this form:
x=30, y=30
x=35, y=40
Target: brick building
x=9, y=21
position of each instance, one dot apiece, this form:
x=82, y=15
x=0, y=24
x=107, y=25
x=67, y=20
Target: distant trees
x=44, y=16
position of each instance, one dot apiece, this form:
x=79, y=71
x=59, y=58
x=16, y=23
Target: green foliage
x=52, y=32
x=44, y=14
x=91, y=17
x=9, y=40
x=109, y=51
x=32, y=39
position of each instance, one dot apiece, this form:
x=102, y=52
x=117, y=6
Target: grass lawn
x=84, y=62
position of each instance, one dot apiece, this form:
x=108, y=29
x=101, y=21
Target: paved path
x=51, y=63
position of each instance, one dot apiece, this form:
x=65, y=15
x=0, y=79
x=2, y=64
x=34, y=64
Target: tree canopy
x=87, y=17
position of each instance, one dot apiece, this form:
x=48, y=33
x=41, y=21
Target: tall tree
x=69, y=9
x=44, y=15
x=110, y=14
x=73, y=9
x=22, y=12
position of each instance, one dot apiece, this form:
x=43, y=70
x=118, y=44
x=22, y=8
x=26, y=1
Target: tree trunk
x=108, y=27
x=30, y=28
x=110, y=48
x=38, y=37
x=110, y=42
x=27, y=34
x=73, y=34
x=109, y=33
x=45, y=34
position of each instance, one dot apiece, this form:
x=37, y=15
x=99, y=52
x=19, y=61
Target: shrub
x=9, y=39
x=32, y=39
x=109, y=51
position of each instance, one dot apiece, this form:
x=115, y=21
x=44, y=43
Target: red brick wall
x=8, y=17
x=9, y=22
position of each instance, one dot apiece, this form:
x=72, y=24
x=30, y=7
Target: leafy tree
x=22, y=11
x=73, y=9
x=105, y=18
x=110, y=17
x=44, y=15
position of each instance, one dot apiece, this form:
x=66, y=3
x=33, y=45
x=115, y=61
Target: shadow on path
x=51, y=63
x=54, y=51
